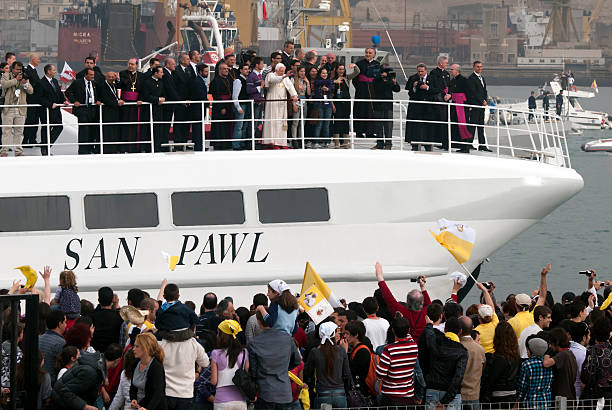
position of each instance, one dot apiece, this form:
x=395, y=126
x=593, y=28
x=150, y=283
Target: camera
x=24, y=76
x=586, y=272
x=389, y=71
x=487, y=285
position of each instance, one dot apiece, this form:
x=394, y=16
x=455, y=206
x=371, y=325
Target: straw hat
x=132, y=315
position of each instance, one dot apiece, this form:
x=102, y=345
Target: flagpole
x=468, y=272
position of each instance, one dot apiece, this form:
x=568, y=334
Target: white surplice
x=275, y=126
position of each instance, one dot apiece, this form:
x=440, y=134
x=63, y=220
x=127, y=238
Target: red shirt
x=417, y=319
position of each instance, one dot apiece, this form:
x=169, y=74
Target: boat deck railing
x=539, y=136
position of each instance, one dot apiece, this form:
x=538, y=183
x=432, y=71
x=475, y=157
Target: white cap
x=485, y=311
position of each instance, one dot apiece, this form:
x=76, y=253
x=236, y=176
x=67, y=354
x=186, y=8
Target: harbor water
x=576, y=236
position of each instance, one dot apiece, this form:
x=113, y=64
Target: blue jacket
x=177, y=316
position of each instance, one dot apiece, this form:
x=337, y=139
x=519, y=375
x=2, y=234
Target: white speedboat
x=576, y=119
x=598, y=145
x=238, y=219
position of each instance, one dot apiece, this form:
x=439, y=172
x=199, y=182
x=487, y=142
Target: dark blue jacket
x=177, y=316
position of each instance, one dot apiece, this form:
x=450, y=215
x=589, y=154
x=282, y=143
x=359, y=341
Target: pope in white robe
x=275, y=126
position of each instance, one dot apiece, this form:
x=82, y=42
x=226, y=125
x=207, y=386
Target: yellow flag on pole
x=312, y=278
x=457, y=238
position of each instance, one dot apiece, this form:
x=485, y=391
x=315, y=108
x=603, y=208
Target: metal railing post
x=352, y=125
x=252, y=102
x=202, y=104
x=49, y=132
x=448, y=121
x=100, y=130
x=151, y=126
x=302, y=107
x=497, y=128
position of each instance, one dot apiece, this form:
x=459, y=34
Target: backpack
x=371, y=380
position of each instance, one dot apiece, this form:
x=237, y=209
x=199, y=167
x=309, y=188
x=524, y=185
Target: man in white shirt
x=376, y=327
x=542, y=316
x=580, y=335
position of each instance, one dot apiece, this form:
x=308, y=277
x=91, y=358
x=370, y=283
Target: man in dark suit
x=153, y=92
x=34, y=113
x=439, y=80
x=477, y=95
x=49, y=94
x=199, y=92
x=111, y=113
x=168, y=110
x=287, y=53
x=418, y=89
x=183, y=78
x=90, y=62
x=82, y=93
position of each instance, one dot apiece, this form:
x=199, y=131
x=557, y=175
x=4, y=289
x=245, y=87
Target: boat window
x=208, y=208
x=34, y=213
x=293, y=205
x=110, y=211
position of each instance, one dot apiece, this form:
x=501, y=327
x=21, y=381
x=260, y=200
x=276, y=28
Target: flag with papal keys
x=171, y=260
x=594, y=86
x=457, y=238
x=316, y=297
x=68, y=74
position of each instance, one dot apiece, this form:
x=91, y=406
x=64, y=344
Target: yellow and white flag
x=316, y=298
x=171, y=260
x=457, y=238
x=312, y=278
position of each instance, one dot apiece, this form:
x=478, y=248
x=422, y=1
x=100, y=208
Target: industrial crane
x=588, y=23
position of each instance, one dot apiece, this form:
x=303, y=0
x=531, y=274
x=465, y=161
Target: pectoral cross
x=134, y=86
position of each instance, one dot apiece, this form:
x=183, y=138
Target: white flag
x=68, y=73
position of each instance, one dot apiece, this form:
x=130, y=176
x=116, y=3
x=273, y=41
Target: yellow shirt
x=487, y=332
x=521, y=321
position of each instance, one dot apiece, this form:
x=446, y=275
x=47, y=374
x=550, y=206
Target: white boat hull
x=382, y=205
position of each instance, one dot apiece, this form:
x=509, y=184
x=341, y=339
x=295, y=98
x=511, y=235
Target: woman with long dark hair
x=327, y=369
x=323, y=92
x=597, y=366
x=122, y=397
x=228, y=357
x=342, y=84
x=502, y=367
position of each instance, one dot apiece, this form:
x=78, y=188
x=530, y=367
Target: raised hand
x=379, y=272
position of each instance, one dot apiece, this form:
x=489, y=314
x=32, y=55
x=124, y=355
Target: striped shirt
x=396, y=367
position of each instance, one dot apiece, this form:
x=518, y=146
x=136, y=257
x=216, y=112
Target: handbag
x=243, y=380
x=354, y=397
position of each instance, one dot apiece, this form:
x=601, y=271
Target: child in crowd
x=67, y=296
x=66, y=359
x=283, y=309
x=175, y=320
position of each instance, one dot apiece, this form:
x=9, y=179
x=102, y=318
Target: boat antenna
x=390, y=40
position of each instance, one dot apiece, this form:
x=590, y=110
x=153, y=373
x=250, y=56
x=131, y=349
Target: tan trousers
x=12, y=136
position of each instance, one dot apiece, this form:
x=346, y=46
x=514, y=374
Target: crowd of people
x=251, y=101
x=158, y=353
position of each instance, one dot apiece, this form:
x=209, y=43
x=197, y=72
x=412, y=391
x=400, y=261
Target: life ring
x=573, y=88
